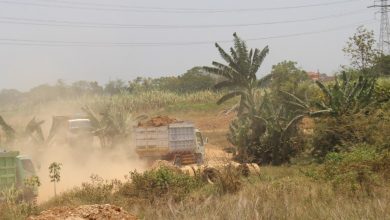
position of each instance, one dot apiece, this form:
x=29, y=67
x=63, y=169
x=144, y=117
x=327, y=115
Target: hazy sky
x=45, y=40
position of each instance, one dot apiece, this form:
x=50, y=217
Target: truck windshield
x=80, y=124
x=28, y=165
x=199, y=138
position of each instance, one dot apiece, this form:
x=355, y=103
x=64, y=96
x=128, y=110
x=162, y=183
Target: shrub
x=358, y=170
x=229, y=179
x=339, y=134
x=160, y=183
x=96, y=191
x=14, y=208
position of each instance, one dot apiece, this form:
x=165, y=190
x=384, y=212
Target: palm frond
x=258, y=59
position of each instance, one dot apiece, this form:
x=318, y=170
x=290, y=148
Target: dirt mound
x=91, y=212
x=163, y=163
x=158, y=121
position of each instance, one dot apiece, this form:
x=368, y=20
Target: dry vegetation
x=278, y=193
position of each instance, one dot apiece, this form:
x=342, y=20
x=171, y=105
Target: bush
x=359, y=170
x=97, y=191
x=160, y=183
x=229, y=179
x=339, y=134
x=12, y=207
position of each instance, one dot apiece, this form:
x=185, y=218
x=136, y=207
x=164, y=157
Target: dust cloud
x=78, y=164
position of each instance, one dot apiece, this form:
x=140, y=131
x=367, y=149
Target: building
x=314, y=75
x=317, y=76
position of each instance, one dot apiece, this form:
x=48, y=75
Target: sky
x=42, y=41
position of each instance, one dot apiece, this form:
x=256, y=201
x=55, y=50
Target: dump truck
x=169, y=139
x=73, y=130
x=15, y=169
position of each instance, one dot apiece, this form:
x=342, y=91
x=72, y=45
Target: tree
x=361, y=50
x=195, y=79
x=115, y=87
x=113, y=126
x=240, y=72
x=10, y=96
x=286, y=76
x=55, y=176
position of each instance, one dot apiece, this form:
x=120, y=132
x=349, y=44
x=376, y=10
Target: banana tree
x=239, y=73
x=112, y=126
x=346, y=96
x=267, y=133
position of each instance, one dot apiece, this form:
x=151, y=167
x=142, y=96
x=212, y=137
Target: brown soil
x=91, y=212
x=158, y=121
x=214, y=123
x=163, y=163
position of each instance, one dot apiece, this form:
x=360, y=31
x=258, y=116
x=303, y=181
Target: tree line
x=195, y=79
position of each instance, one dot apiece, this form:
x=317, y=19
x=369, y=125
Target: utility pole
x=384, y=35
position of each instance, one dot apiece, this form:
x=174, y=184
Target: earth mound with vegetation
x=91, y=212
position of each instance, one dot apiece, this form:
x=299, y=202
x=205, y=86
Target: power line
x=59, y=23
x=54, y=43
x=125, y=8
x=197, y=9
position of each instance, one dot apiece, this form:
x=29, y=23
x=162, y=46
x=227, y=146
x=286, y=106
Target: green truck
x=15, y=169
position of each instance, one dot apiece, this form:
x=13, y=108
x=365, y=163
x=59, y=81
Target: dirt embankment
x=90, y=212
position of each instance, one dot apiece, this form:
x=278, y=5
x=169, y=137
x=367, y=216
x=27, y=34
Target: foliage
x=382, y=90
x=115, y=87
x=239, y=73
x=285, y=76
x=193, y=80
x=113, y=126
x=264, y=129
x=349, y=108
x=267, y=132
x=12, y=207
x=340, y=134
x=382, y=65
x=347, y=96
x=239, y=136
x=359, y=169
x=55, y=176
x=229, y=180
x=361, y=50
x=279, y=193
x=160, y=183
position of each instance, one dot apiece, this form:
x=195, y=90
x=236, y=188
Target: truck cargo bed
x=172, y=138
x=7, y=169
